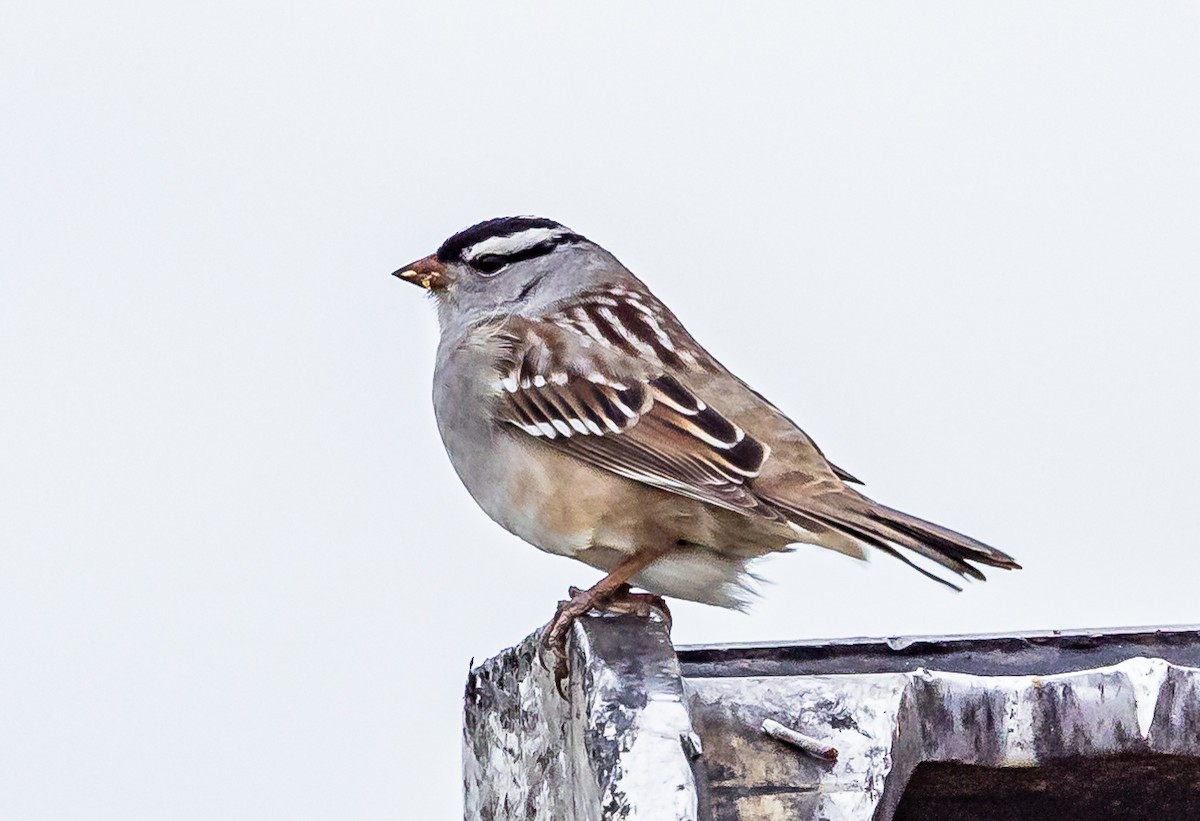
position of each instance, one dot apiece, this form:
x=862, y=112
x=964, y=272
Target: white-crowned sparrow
x=582, y=417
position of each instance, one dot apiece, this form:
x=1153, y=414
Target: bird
x=582, y=417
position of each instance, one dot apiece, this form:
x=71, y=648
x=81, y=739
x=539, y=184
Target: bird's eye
x=489, y=263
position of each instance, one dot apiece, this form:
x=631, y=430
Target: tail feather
x=942, y=539
x=870, y=539
x=887, y=529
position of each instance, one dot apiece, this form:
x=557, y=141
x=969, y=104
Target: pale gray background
x=238, y=578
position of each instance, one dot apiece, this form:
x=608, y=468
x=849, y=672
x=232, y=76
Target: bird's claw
x=621, y=600
x=626, y=602
x=554, y=635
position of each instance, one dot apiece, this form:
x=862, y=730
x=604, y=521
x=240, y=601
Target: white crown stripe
x=513, y=243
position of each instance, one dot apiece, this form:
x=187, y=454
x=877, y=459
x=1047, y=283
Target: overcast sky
x=238, y=578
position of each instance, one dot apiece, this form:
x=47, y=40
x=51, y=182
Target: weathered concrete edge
x=522, y=752
x=1138, y=706
x=620, y=747
x=1046, y=652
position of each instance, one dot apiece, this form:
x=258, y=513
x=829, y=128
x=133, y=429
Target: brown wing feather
x=614, y=380
x=626, y=416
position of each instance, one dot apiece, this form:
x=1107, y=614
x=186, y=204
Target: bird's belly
x=552, y=502
x=564, y=506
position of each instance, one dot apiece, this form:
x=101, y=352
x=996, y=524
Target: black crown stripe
x=452, y=249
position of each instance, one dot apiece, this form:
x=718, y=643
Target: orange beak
x=429, y=273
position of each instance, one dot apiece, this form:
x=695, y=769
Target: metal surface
x=991, y=727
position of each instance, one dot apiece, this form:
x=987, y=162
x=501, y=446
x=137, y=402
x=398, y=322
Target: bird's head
x=507, y=264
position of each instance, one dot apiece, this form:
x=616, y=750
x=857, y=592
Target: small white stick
x=812, y=746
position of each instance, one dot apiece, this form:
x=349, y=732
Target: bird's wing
x=613, y=379
x=581, y=394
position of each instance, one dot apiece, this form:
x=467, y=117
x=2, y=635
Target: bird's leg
x=611, y=592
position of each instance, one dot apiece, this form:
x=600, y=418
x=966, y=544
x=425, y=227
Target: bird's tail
x=885, y=529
